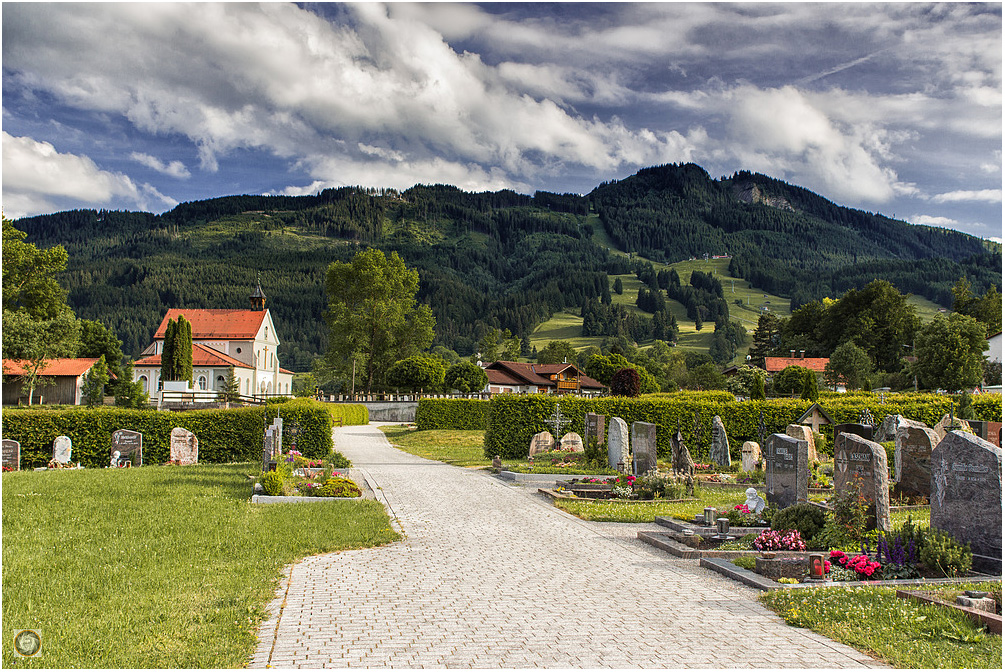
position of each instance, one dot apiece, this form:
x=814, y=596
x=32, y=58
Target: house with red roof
x=527, y=378
x=65, y=375
x=222, y=338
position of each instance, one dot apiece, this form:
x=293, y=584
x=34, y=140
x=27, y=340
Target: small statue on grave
x=755, y=503
x=115, y=459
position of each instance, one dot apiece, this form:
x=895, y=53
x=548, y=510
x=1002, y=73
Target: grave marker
x=12, y=454
x=643, y=447
x=680, y=455
x=542, y=442
x=912, y=461
x=967, y=495
x=268, y=449
x=787, y=467
x=855, y=456
x=594, y=428
x=129, y=444
x=865, y=431
x=804, y=433
x=277, y=425
x=719, y=451
x=617, y=443
x=750, y=455
x=62, y=449
x=184, y=446
x=571, y=443
x=947, y=423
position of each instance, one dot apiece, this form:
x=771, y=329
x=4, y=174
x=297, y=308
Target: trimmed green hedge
x=452, y=413
x=514, y=419
x=351, y=414
x=225, y=435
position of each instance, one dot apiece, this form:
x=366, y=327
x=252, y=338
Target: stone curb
x=268, y=499
x=520, y=477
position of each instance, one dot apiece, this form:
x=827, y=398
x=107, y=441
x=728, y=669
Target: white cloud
x=981, y=195
x=35, y=175
x=173, y=169
x=928, y=220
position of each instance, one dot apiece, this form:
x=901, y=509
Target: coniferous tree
x=168, y=370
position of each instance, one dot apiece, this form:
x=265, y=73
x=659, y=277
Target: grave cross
x=761, y=430
x=557, y=422
x=697, y=429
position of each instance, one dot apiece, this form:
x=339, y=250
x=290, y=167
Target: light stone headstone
x=594, y=428
x=129, y=444
x=967, y=493
x=617, y=443
x=571, y=443
x=268, y=449
x=643, y=447
x=278, y=433
x=750, y=455
x=184, y=446
x=888, y=429
x=855, y=456
x=542, y=442
x=942, y=426
x=12, y=454
x=787, y=470
x=62, y=449
x=912, y=461
x=804, y=433
x=719, y=451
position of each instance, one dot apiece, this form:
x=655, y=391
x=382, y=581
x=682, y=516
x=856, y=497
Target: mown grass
x=626, y=511
x=900, y=632
x=460, y=447
x=156, y=567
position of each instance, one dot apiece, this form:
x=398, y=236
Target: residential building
x=527, y=378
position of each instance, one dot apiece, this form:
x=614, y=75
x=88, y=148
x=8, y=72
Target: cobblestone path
x=490, y=574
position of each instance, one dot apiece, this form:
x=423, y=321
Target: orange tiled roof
x=202, y=355
x=776, y=364
x=524, y=373
x=54, y=367
x=216, y=322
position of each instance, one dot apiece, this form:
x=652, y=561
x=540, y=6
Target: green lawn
x=156, y=567
x=619, y=511
x=460, y=447
x=902, y=633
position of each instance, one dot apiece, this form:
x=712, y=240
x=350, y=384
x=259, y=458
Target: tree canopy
x=950, y=352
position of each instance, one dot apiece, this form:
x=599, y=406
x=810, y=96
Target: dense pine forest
x=497, y=260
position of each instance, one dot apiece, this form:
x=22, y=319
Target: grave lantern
x=816, y=567
x=710, y=515
x=722, y=524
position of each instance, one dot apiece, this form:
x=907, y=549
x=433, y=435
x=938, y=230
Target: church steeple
x=258, y=297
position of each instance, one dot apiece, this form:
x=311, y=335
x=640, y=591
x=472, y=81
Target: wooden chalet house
x=526, y=378
x=65, y=375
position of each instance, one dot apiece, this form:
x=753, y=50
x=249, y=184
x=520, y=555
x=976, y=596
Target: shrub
x=453, y=414
x=943, y=553
x=626, y=383
x=272, y=483
x=806, y=518
x=338, y=486
x=778, y=540
x=659, y=486
x=863, y=567
x=745, y=562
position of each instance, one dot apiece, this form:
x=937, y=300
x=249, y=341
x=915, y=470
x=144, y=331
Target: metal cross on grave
x=761, y=430
x=557, y=422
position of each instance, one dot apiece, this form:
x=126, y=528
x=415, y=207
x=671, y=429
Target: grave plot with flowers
x=297, y=476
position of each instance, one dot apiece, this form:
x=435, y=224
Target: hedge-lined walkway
x=490, y=575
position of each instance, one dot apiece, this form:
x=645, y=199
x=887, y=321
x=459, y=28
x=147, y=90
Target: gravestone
x=865, y=418
x=277, y=425
x=617, y=443
x=130, y=446
x=912, y=461
x=542, y=442
x=865, y=431
x=787, y=470
x=62, y=449
x=804, y=433
x=888, y=430
x=719, y=451
x=12, y=454
x=184, y=446
x=571, y=443
x=967, y=495
x=750, y=455
x=680, y=455
x=943, y=426
x=643, y=447
x=594, y=428
x=855, y=456
x=291, y=433
x=989, y=431
x=268, y=449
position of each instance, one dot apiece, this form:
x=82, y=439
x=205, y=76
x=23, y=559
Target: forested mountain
x=488, y=260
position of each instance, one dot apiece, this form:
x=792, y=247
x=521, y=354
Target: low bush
x=745, y=562
x=942, y=553
x=806, y=518
x=272, y=483
x=338, y=486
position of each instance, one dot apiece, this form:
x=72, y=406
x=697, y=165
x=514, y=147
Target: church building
x=221, y=338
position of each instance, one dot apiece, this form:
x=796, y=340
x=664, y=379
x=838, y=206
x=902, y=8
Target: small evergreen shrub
x=272, y=483
x=805, y=518
x=339, y=486
x=942, y=553
x=745, y=562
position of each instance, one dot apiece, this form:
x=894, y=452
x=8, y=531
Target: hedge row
x=452, y=413
x=225, y=435
x=514, y=419
x=350, y=414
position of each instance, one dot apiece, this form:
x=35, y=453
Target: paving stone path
x=490, y=574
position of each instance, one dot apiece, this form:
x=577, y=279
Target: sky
x=891, y=108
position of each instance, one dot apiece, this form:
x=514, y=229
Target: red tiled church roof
x=202, y=355
x=776, y=364
x=216, y=322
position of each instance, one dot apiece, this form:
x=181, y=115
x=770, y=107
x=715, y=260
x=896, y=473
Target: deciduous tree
x=850, y=364
x=466, y=378
x=950, y=352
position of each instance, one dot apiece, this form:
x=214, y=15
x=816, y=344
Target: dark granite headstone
x=594, y=428
x=680, y=455
x=989, y=431
x=12, y=454
x=643, y=447
x=912, y=463
x=130, y=446
x=867, y=432
x=787, y=470
x=967, y=493
x=719, y=450
x=855, y=456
